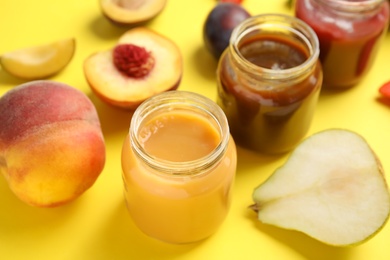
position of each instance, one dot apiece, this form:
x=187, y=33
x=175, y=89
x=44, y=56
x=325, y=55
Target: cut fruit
x=39, y=62
x=130, y=12
x=110, y=83
x=332, y=188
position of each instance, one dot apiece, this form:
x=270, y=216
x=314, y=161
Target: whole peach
x=51, y=145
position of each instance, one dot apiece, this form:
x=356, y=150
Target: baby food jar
x=350, y=33
x=269, y=80
x=179, y=164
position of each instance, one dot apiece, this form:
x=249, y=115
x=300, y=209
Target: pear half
x=39, y=62
x=332, y=188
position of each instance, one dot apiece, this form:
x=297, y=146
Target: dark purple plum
x=219, y=25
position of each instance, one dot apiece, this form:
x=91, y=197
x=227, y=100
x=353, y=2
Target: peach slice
x=39, y=62
x=130, y=12
x=142, y=64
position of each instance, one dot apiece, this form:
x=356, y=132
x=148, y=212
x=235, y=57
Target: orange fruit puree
x=169, y=137
x=172, y=207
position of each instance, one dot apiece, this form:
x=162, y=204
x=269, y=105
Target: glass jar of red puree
x=269, y=80
x=179, y=163
x=350, y=33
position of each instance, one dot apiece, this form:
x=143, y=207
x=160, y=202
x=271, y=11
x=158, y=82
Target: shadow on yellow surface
x=8, y=79
x=18, y=218
x=203, y=61
x=119, y=238
x=113, y=120
x=306, y=246
x=102, y=28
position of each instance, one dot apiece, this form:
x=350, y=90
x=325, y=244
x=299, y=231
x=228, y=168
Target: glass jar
x=179, y=164
x=350, y=33
x=269, y=80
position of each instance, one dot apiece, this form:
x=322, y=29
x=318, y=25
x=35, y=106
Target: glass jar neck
x=179, y=101
x=352, y=8
x=283, y=26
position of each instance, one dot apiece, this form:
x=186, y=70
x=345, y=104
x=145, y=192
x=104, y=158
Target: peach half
x=39, y=62
x=142, y=64
x=131, y=12
x=51, y=144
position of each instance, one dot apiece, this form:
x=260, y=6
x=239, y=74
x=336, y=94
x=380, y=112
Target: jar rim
x=294, y=25
x=167, y=101
x=355, y=6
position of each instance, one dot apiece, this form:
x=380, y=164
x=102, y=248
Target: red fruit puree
x=349, y=34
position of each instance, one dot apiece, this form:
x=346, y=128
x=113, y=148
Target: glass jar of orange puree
x=179, y=164
x=269, y=80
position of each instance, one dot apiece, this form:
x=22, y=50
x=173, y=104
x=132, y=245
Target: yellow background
x=97, y=225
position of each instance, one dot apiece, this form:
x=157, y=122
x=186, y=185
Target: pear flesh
x=332, y=188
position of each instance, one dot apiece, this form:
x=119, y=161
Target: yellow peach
x=51, y=145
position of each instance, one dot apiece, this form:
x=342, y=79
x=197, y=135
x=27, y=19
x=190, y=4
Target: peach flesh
x=39, y=62
x=51, y=145
x=119, y=90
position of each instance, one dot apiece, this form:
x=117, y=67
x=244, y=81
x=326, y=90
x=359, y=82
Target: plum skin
x=219, y=24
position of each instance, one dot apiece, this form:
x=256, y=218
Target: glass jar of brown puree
x=269, y=80
x=179, y=163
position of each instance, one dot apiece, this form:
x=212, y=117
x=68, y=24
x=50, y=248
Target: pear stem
x=255, y=207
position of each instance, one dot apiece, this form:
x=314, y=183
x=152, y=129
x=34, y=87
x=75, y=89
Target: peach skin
x=51, y=145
